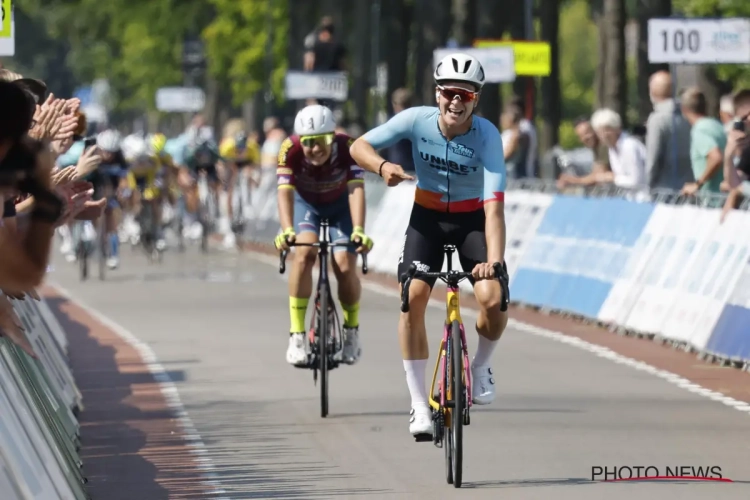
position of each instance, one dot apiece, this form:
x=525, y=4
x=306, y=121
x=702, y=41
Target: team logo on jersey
x=461, y=150
x=439, y=163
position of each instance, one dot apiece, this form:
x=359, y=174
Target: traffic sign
x=8, y=45
x=180, y=99
x=699, y=41
x=532, y=58
x=497, y=62
x=5, y=27
x=324, y=85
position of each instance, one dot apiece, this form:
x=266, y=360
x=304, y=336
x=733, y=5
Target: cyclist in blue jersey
x=459, y=200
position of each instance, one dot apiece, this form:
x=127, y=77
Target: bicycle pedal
x=422, y=437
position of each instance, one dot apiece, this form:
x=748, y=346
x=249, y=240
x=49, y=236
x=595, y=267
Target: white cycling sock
x=484, y=351
x=415, y=379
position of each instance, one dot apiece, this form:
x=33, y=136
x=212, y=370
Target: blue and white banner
x=674, y=271
x=577, y=253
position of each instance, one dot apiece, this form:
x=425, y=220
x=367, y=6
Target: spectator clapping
x=34, y=130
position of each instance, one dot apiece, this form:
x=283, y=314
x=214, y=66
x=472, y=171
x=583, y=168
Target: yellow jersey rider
x=144, y=183
x=169, y=170
x=238, y=152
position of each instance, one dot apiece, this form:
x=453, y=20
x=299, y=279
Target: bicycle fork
x=442, y=417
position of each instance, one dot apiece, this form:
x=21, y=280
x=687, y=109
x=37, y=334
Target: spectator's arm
x=24, y=262
x=713, y=165
x=654, y=150
x=509, y=148
x=733, y=153
x=309, y=60
x=25, y=206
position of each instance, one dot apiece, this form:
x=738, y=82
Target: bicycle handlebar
x=284, y=253
x=406, y=278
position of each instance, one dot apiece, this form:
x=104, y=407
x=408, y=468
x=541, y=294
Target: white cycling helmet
x=134, y=148
x=460, y=68
x=109, y=141
x=314, y=120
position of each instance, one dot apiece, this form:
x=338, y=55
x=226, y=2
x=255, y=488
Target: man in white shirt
x=627, y=155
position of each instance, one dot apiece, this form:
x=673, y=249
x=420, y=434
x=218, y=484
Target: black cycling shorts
x=212, y=174
x=429, y=231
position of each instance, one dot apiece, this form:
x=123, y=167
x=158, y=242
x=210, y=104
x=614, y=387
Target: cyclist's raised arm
x=364, y=149
x=285, y=182
x=356, y=184
x=495, y=180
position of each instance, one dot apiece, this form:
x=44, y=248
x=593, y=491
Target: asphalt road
x=219, y=323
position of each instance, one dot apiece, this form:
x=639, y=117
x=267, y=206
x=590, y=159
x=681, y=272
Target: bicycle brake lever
x=502, y=278
x=282, y=261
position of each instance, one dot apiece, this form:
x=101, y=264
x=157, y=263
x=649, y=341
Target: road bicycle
x=239, y=201
x=451, y=405
x=325, y=335
x=208, y=207
x=149, y=225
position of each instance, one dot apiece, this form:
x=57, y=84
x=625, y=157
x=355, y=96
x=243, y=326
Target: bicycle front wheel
x=103, y=245
x=459, y=401
x=323, y=352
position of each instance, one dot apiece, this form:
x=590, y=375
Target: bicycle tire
x=103, y=242
x=83, y=261
x=447, y=436
x=323, y=352
x=459, y=402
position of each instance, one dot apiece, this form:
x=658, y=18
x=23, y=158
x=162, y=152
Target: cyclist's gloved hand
x=359, y=236
x=281, y=240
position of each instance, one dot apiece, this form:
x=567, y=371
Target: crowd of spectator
x=36, y=197
x=685, y=151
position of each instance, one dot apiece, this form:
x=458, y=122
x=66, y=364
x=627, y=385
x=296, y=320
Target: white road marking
x=600, y=351
x=168, y=389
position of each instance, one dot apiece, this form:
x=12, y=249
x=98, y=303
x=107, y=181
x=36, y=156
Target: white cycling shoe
x=420, y=423
x=296, y=353
x=482, y=385
x=352, y=349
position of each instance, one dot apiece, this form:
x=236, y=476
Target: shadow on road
x=130, y=447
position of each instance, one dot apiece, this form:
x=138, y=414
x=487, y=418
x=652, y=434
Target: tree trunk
x=395, y=28
x=491, y=23
x=514, y=10
x=613, y=80
x=433, y=28
x=647, y=9
x=464, y=22
x=360, y=61
x=551, y=99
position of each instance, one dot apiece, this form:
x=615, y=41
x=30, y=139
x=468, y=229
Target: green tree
x=236, y=41
x=738, y=74
x=137, y=46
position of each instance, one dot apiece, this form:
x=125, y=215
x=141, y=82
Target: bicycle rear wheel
x=323, y=352
x=459, y=402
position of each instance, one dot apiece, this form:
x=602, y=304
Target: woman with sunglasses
x=317, y=178
x=461, y=174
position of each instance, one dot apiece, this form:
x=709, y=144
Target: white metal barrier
x=39, y=434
